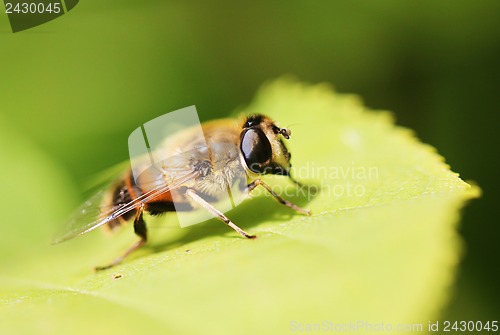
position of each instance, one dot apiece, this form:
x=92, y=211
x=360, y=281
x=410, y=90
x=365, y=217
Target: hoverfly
x=194, y=180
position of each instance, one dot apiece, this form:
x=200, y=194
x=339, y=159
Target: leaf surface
x=380, y=247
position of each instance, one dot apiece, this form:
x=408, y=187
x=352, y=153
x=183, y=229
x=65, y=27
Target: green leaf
x=380, y=247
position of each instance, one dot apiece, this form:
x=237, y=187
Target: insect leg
x=192, y=194
x=141, y=230
x=257, y=182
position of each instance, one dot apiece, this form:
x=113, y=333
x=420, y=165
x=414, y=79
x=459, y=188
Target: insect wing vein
x=91, y=215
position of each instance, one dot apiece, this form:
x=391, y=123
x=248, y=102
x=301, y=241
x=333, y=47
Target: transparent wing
x=163, y=153
x=92, y=214
x=85, y=218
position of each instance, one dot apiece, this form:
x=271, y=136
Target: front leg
x=257, y=182
x=215, y=212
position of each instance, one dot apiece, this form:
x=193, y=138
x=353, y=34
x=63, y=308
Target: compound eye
x=256, y=150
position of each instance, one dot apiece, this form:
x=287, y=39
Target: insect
x=249, y=147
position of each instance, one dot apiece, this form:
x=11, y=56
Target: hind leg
x=141, y=230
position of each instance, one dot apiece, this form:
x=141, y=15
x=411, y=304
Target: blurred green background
x=75, y=88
